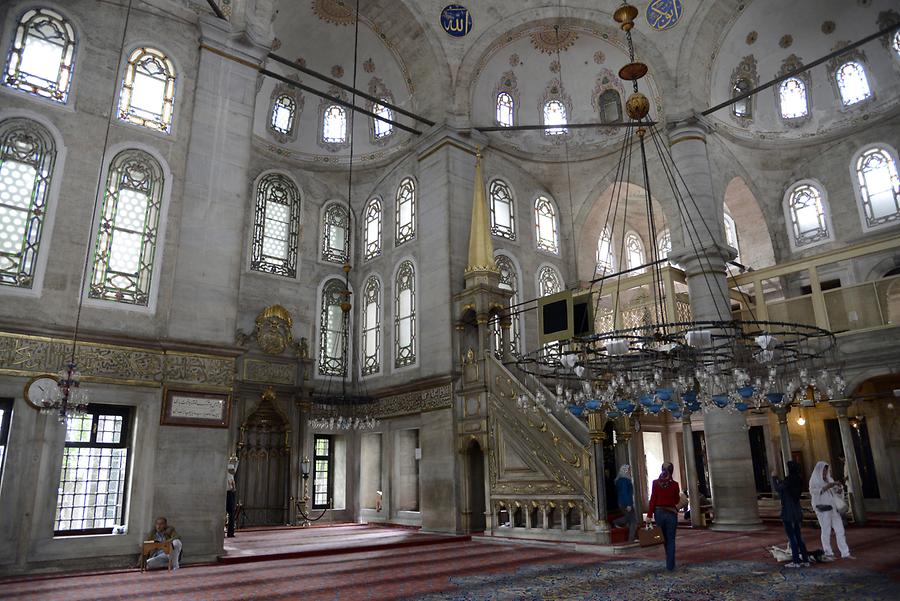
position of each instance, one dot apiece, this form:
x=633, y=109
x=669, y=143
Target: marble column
x=851, y=467
x=690, y=471
x=784, y=435
x=703, y=256
x=595, y=428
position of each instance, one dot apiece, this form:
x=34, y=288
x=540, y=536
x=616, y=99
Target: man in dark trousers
x=231, y=494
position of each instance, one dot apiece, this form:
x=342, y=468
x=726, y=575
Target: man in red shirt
x=663, y=509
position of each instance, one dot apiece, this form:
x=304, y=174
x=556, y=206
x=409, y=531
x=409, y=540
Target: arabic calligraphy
x=192, y=407
x=456, y=20
x=664, y=14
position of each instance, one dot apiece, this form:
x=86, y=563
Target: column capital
x=688, y=124
x=840, y=406
x=219, y=36
x=781, y=411
x=711, y=257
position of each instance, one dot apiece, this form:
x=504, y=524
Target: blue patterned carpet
x=639, y=579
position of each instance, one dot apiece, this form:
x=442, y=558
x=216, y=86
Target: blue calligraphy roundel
x=664, y=14
x=456, y=20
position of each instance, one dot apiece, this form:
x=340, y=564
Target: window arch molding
x=254, y=189
x=328, y=281
x=512, y=232
x=852, y=60
x=789, y=217
x=51, y=201
x=156, y=269
x=864, y=220
x=296, y=96
x=507, y=84
x=518, y=321
x=8, y=37
x=789, y=64
x=536, y=225
x=328, y=207
x=366, y=329
x=127, y=56
x=395, y=312
x=543, y=268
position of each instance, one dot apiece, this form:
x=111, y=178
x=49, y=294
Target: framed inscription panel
x=195, y=408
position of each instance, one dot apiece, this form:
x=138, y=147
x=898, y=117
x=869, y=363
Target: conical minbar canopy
x=481, y=249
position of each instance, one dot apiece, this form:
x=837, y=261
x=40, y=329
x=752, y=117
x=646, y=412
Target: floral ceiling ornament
x=828, y=27
x=369, y=66
x=554, y=66
x=599, y=58
x=337, y=71
x=752, y=37
x=514, y=60
x=550, y=40
x=337, y=12
x=786, y=41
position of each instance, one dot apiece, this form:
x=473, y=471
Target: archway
x=476, y=500
x=753, y=237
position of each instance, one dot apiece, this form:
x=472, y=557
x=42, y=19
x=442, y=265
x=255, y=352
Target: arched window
x=549, y=281
x=284, y=110
x=502, y=210
x=546, y=225
x=276, y=230
x=333, y=330
x=405, y=315
x=42, y=55
x=555, y=118
x=509, y=280
x=878, y=186
x=382, y=129
x=793, y=98
x=128, y=235
x=405, y=223
x=334, y=124
x=895, y=42
x=852, y=83
x=336, y=234
x=610, y=104
x=372, y=232
x=606, y=261
x=27, y=159
x=741, y=108
x=807, y=215
x=634, y=252
x=148, y=90
x=371, y=327
x=664, y=244
x=506, y=108
x=731, y=237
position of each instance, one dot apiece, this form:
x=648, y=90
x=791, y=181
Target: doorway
x=477, y=507
x=859, y=432
x=760, y=460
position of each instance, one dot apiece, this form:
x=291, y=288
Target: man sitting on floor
x=161, y=533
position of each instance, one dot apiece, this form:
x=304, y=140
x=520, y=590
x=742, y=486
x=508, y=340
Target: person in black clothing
x=789, y=490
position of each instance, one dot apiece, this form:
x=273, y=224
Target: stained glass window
x=127, y=239
x=405, y=315
x=731, y=237
x=323, y=474
x=549, y=281
x=371, y=327
x=336, y=234
x=793, y=98
x=610, y=104
x=879, y=186
x=807, y=215
x=634, y=252
x=502, y=210
x=284, y=109
x=276, y=229
x=91, y=494
x=555, y=115
x=27, y=158
x=405, y=225
x=148, y=90
x=509, y=280
x=852, y=83
x=606, y=260
x=505, y=110
x=382, y=129
x=741, y=108
x=372, y=232
x=332, y=330
x=334, y=120
x=546, y=225
x=42, y=55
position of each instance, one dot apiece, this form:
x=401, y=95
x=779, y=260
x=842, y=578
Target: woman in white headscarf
x=824, y=491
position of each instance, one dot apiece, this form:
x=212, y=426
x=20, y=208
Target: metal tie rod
x=797, y=71
x=568, y=125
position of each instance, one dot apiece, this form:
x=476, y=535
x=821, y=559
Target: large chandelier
x=677, y=366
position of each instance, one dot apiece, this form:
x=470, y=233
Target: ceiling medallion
x=550, y=40
x=786, y=41
x=599, y=58
x=333, y=11
x=664, y=14
x=751, y=38
x=828, y=27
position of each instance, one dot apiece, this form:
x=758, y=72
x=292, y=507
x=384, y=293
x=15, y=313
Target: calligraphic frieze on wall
x=418, y=401
x=269, y=372
x=24, y=355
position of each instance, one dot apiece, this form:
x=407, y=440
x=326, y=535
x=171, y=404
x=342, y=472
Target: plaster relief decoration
x=337, y=71
x=272, y=332
x=743, y=79
x=514, y=60
x=607, y=81
x=887, y=18
x=752, y=37
x=23, y=355
x=599, y=58
x=786, y=41
x=550, y=40
x=337, y=12
x=369, y=66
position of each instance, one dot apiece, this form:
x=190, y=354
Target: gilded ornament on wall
x=550, y=40
x=337, y=12
x=273, y=329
